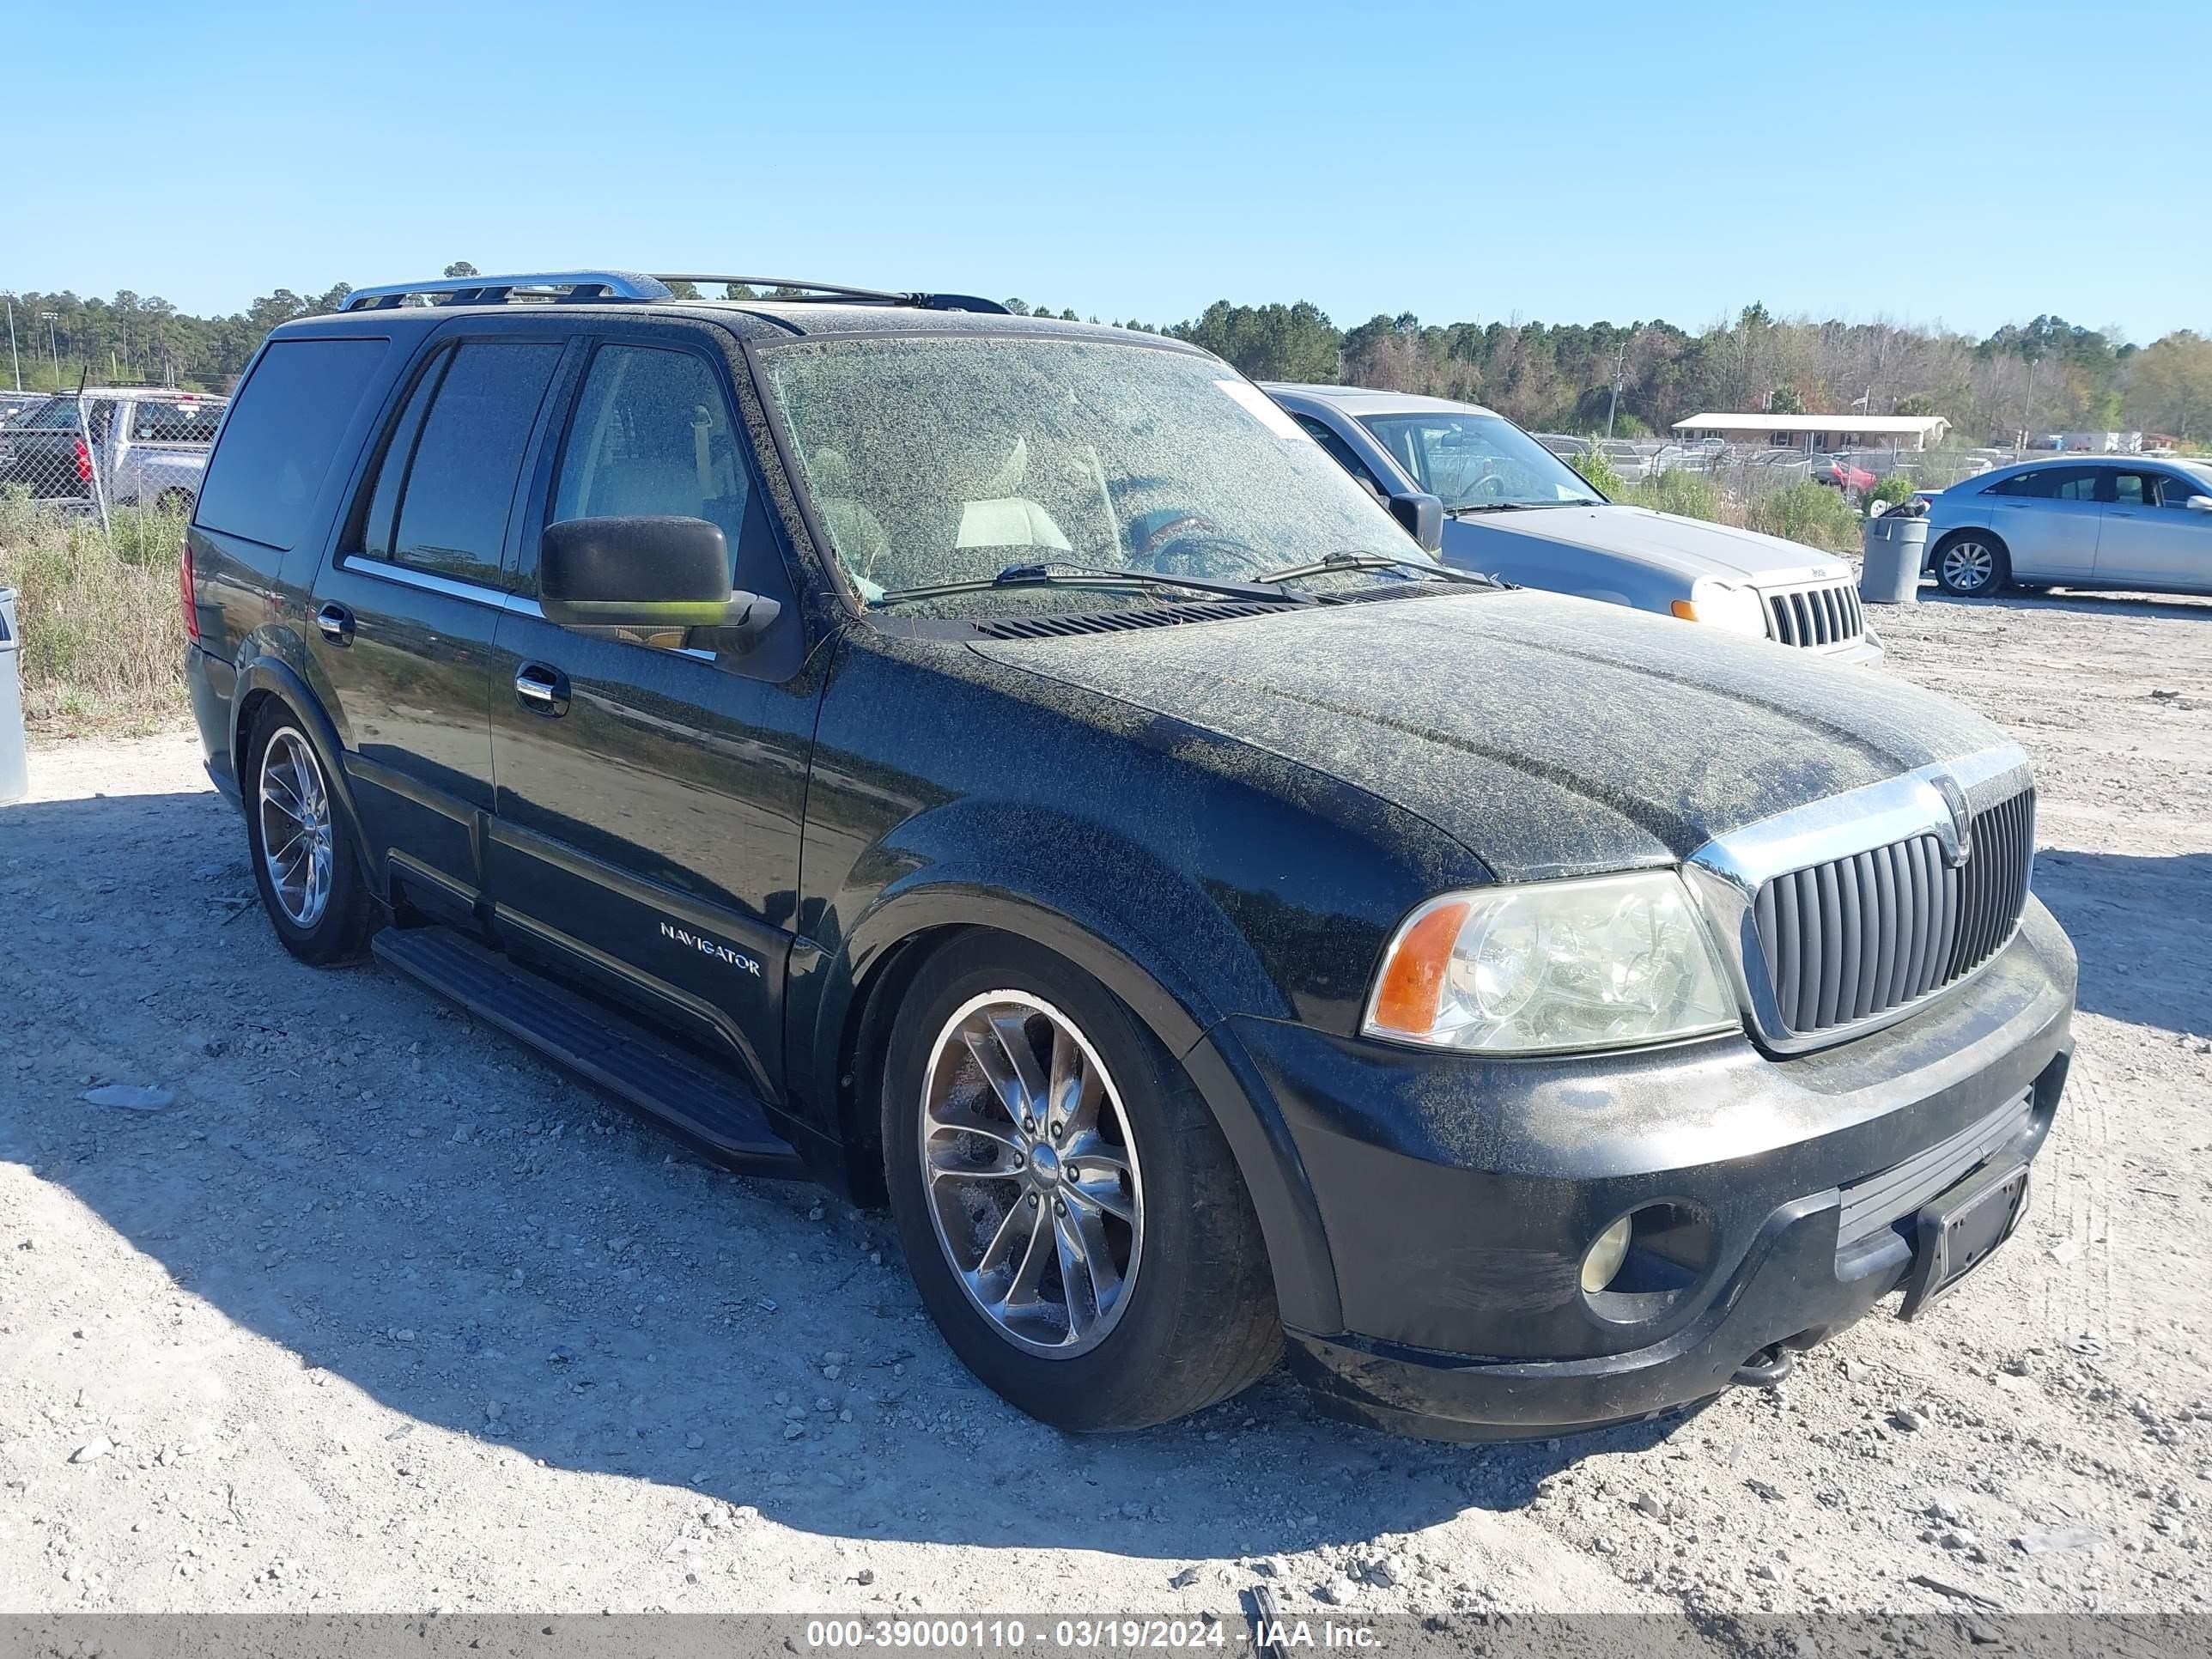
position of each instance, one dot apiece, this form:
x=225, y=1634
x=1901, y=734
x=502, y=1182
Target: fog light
x=1606, y=1254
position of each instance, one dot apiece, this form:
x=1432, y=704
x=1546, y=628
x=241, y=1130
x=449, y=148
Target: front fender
x=1108, y=908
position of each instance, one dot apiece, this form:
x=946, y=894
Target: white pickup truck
x=146, y=446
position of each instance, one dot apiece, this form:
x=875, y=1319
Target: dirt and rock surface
x=379, y=1313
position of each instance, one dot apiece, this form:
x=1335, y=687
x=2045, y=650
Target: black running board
x=712, y=1111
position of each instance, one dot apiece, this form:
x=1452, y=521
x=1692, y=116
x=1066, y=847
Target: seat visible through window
x=652, y=436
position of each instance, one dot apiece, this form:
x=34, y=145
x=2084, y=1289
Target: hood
x=1660, y=540
x=1550, y=736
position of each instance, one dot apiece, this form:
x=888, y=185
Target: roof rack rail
x=572, y=285
x=564, y=286
x=839, y=291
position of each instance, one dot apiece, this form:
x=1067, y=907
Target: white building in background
x=2096, y=443
x=1815, y=432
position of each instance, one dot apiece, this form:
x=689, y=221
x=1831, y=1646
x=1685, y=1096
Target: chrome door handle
x=335, y=622
x=542, y=689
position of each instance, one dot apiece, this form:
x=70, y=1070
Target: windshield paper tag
x=1263, y=409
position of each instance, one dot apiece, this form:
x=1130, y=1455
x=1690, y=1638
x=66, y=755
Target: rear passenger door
x=2049, y=519
x=650, y=794
x=405, y=611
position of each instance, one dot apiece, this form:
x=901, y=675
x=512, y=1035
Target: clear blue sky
x=1561, y=162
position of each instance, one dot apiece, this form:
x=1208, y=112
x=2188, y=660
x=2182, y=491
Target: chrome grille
x=1818, y=617
x=1857, y=936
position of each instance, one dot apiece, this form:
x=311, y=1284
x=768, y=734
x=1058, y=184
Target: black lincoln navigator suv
x=1007, y=770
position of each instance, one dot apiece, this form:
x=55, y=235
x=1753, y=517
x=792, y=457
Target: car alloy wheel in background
x=1967, y=566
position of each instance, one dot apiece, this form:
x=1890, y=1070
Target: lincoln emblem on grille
x=1958, y=845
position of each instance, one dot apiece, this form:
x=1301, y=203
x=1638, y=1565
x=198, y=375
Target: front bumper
x=1458, y=1195
x=1867, y=652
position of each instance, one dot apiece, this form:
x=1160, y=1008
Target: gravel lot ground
x=384, y=1314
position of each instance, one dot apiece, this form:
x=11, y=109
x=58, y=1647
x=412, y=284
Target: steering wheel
x=1192, y=545
x=1489, y=487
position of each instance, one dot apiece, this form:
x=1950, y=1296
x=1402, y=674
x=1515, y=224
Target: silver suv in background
x=144, y=445
x=2119, y=521
x=1512, y=508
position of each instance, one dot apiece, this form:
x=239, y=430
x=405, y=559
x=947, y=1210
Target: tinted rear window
x=60, y=414
x=282, y=436
x=178, y=420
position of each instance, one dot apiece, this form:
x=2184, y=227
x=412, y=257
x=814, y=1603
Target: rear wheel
x=304, y=861
x=1972, y=565
x=1070, y=1214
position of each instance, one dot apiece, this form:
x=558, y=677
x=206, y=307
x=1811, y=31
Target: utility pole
x=51, y=318
x=13, y=357
x=2027, y=409
x=1619, y=365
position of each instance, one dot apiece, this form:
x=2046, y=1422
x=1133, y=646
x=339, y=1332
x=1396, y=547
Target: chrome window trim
x=519, y=604
x=408, y=576
x=1726, y=873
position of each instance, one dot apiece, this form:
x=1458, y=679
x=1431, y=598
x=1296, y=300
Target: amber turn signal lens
x=1414, y=979
x=1685, y=610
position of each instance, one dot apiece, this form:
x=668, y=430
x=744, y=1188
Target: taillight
x=185, y=589
x=83, y=463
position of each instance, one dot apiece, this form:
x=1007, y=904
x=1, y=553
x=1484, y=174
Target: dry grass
x=103, y=634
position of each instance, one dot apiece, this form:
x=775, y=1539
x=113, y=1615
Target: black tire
x=1200, y=1322
x=338, y=929
x=1972, y=564
x=180, y=501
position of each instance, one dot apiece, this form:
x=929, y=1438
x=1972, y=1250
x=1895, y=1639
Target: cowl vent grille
x=1116, y=621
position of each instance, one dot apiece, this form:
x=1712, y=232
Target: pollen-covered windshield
x=939, y=461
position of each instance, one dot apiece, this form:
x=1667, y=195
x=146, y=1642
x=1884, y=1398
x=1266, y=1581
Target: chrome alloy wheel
x=295, y=828
x=1031, y=1173
x=1968, y=566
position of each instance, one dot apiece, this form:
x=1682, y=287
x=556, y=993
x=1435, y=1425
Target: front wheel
x=1973, y=566
x=1070, y=1212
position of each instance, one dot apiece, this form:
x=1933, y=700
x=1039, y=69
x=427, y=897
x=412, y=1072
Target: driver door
x=648, y=797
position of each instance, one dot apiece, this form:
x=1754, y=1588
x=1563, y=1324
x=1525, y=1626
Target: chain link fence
x=124, y=463
x=1745, y=474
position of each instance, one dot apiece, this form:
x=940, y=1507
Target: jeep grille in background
x=1816, y=617
x=1857, y=937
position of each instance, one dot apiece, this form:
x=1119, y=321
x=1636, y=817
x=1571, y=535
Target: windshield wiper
x=1522, y=507
x=1372, y=562
x=1057, y=573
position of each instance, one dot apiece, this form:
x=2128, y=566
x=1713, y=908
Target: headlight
x=1739, y=609
x=1551, y=968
